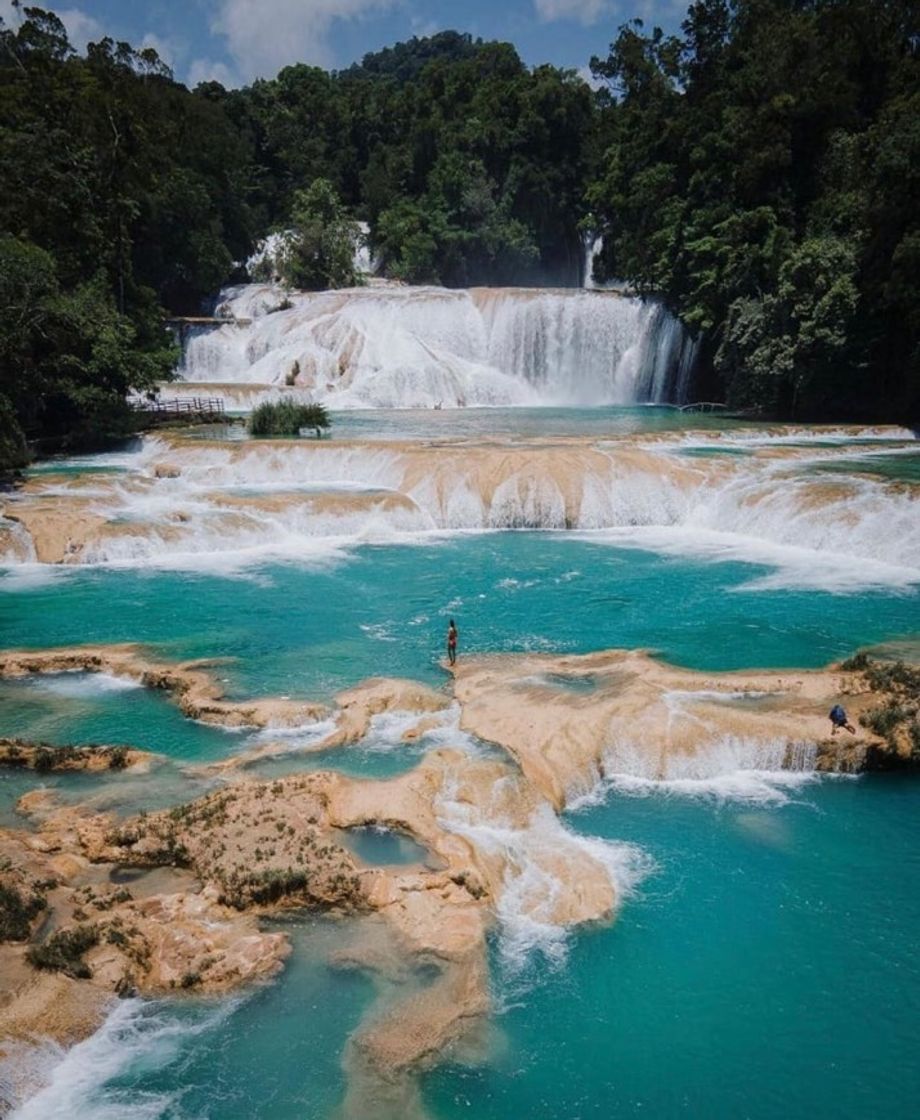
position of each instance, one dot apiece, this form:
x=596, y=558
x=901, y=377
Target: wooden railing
x=181, y=407
x=704, y=406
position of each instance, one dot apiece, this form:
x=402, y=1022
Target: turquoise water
x=310, y=632
x=474, y=423
x=767, y=968
x=78, y=708
x=274, y=1052
x=383, y=847
x=713, y=451
x=892, y=468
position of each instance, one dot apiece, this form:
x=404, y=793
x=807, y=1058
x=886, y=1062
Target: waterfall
x=593, y=244
x=390, y=346
x=668, y=354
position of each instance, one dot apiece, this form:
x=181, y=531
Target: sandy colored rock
x=190, y=683
x=568, y=719
x=59, y=529
x=19, y=754
x=357, y=706
x=497, y=850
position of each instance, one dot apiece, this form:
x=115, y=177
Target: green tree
x=319, y=250
x=761, y=175
x=68, y=359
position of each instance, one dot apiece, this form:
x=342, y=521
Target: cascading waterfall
x=593, y=244
x=667, y=355
x=806, y=528
x=386, y=346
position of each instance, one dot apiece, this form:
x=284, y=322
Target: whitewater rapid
x=389, y=346
x=757, y=497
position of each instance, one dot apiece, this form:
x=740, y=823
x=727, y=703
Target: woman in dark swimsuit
x=452, y=642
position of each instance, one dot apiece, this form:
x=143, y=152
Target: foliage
x=45, y=758
x=762, y=174
x=460, y=233
x=265, y=887
x=897, y=718
x=760, y=171
x=117, y=194
x=63, y=952
x=319, y=249
x=286, y=418
x=469, y=167
x=13, y=451
x=17, y=912
x=118, y=758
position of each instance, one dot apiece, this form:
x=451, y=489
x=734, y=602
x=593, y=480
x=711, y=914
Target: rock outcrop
x=194, y=689
x=568, y=720
x=46, y=757
x=497, y=852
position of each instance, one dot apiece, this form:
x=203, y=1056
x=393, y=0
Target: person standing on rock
x=452, y=642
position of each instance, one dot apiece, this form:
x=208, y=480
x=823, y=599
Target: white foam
x=839, y=534
x=80, y=685
x=812, y=435
x=761, y=787
x=396, y=347
x=794, y=567
x=137, y=1036
x=292, y=738
x=29, y=576
x=531, y=890
x=729, y=768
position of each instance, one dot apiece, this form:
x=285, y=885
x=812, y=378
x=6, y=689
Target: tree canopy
x=763, y=175
x=760, y=172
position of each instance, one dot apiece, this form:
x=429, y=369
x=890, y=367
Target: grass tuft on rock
x=286, y=418
x=63, y=952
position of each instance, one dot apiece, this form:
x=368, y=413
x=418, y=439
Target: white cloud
x=264, y=35
x=584, y=11
x=584, y=72
x=207, y=70
x=165, y=48
x=424, y=28
x=81, y=28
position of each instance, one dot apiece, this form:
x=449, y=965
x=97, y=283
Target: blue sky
x=235, y=41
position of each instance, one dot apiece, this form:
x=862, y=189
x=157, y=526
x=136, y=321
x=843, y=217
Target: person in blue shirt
x=838, y=718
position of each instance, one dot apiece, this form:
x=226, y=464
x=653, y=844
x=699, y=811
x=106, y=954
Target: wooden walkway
x=185, y=321
x=704, y=406
x=162, y=410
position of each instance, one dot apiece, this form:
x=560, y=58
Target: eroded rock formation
x=497, y=852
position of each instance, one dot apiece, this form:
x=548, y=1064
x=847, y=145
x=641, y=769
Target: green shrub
x=17, y=912
x=897, y=718
x=264, y=887
x=44, y=760
x=63, y=952
x=885, y=719
x=286, y=418
x=118, y=758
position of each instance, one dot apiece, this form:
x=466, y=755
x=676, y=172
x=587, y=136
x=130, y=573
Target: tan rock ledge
x=46, y=757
